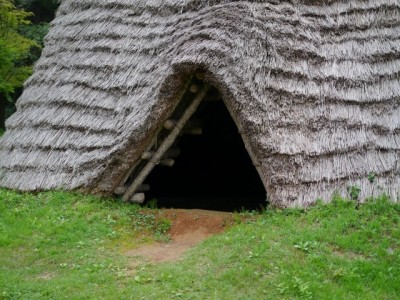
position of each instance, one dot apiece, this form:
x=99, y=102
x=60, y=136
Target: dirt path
x=189, y=227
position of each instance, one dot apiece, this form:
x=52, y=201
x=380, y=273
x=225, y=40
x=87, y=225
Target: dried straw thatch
x=313, y=85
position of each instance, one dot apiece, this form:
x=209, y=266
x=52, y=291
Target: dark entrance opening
x=214, y=170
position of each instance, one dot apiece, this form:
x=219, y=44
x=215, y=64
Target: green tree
x=14, y=52
x=43, y=10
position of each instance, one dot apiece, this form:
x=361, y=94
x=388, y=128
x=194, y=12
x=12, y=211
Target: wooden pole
x=171, y=153
x=170, y=124
x=200, y=75
x=122, y=189
x=143, y=188
x=148, y=155
x=138, y=198
x=179, y=98
x=194, y=88
x=167, y=143
x=193, y=131
x=167, y=162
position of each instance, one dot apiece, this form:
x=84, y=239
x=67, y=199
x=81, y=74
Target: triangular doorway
x=206, y=166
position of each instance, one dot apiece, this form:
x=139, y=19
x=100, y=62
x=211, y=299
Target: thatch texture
x=313, y=85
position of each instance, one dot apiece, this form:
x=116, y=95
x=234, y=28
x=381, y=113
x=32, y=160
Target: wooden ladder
x=150, y=159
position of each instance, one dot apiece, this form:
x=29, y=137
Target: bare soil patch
x=46, y=276
x=189, y=227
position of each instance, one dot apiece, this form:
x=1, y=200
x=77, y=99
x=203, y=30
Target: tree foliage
x=14, y=48
x=43, y=10
x=21, y=43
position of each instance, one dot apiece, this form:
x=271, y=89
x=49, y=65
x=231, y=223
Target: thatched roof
x=313, y=85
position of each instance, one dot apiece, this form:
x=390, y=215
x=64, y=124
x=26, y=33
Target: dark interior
x=213, y=171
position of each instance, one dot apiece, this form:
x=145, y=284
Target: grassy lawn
x=63, y=245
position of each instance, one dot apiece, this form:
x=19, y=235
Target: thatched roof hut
x=312, y=85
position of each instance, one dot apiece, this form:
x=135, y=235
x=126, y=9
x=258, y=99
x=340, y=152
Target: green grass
x=1, y=131
x=61, y=245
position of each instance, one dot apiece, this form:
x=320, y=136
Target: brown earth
x=189, y=227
